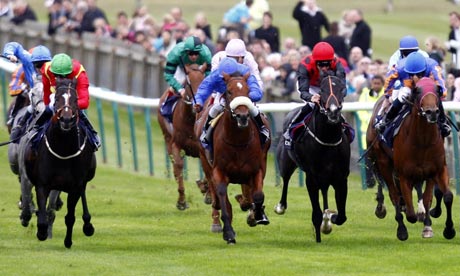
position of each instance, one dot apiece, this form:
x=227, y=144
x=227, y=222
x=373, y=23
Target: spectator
x=180, y=31
x=6, y=9
x=22, y=12
x=369, y=94
x=269, y=33
x=168, y=22
x=140, y=15
x=121, y=30
x=450, y=86
x=201, y=22
x=93, y=12
x=289, y=43
x=74, y=24
x=238, y=18
x=355, y=56
x=176, y=13
x=337, y=41
x=102, y=28
x=362, y=32
x=346, y=26
x=164, y=44
x=57, y=17
x=257, y=10
x=453, y=44
x=304, y=51
x=310, y=18
x=435, y=50
x=456, y=94
x=204, y=39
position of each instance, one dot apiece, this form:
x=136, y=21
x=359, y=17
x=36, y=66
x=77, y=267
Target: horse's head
x=66, y=103
x=426, y=99
x=194, y=75
x=237, y=97
x=332, y=92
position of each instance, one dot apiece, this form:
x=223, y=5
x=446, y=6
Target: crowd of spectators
x=250, y=20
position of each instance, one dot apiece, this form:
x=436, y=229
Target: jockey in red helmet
x=321, y=62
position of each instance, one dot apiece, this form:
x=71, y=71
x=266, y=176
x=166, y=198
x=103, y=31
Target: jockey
x=32, y=61
x=409, y=71
x=215, y=83
x=237, y=49
x=63, y=66
x=320, y=62
x=190, y=51
x=407, y=45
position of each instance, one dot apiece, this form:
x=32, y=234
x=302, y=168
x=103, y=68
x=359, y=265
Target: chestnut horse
x=237, y=157
x=179, y=136
x=418, y=156
x=323, y=152
x=63, y=160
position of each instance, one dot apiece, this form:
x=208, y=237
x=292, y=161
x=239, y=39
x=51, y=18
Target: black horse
x=62, y=160
x=322, y=150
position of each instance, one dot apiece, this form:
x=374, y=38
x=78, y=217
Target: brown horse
x=237, y=157
x=183, y=141
x=418, y=155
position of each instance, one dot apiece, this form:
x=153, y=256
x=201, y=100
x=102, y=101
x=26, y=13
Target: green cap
x=61, y=64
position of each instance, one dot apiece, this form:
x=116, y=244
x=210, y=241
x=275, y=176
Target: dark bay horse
x=237, y=156
x=63, y=160
x=418, y=156
x=323, y=152
x=179, y=136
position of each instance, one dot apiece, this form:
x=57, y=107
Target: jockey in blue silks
x=32, y=62
x=215, y=83
x=408, y=72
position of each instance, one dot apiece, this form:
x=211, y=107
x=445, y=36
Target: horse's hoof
x=229, y=236
x=402, y=234
x=260, y=217
x=280, y=209
x=427, y=232
x=88, y=229
x=207, y=198
x=68, y=243
x=263, y=221
x=216, y=228
x=182, y=205
x=449, y=233
x=202, y=185
x=231, y=242
x=42, y=235
x=435, y=212
x=251, y=220
x=326, y=224
x=380, y=211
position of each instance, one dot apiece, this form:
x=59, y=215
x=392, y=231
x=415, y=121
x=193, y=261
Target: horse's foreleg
x=380, y=210
x=245, y=199
x=341, y=194
x=427, y=197
x=42, y=220
x=287, y=168
x=401, y=232
x=421, y=209
x=88, y=228
x=316, y=214
x=51, y=211
x=72, y=200
x=178, y=164
x=258, y=199
x=26, y=201
x=406, y=192
x=443, y=184
x=437, y=210
x=226, y=211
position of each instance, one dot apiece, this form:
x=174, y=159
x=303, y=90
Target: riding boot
x=389, y=116
x=299, y=116
x=20, y=128
x=206, y=134
x=94, y=138
x=442, y=122
x=264, y=132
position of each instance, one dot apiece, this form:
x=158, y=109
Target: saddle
x=393, y=127
x=296, y=129
x=167, y=108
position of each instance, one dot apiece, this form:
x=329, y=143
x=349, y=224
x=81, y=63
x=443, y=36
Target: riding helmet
x=192, y=43
x=61, y=64
x=415, y=63
x=408, y=42
x=40, y=53
x=235, y=48
x=323, y=51
x=228, y=66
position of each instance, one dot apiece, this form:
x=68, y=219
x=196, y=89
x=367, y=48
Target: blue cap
x=408, y=42
x=228, y=66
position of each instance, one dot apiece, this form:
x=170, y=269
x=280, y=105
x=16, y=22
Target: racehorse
x=237, y=157
x=418, y=156
x=62, y=160
x=20, y=101
x=322, y=150
x=179, y=136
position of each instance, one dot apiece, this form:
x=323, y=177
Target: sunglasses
x=193, y=53
x=323, y=63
